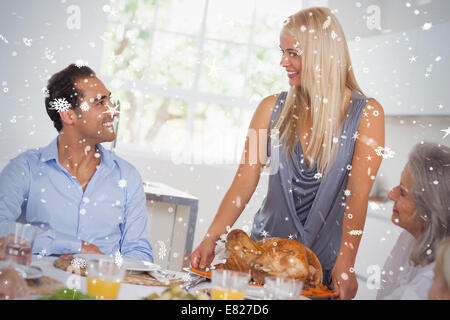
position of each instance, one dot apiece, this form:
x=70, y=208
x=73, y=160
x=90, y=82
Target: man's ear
x=68, y=117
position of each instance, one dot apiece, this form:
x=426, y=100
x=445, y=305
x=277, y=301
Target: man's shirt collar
x=50, y=152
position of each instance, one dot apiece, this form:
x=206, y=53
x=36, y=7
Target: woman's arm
x=243, y=185
x=365, y=165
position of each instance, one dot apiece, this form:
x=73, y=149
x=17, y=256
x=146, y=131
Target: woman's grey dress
x=300, y=206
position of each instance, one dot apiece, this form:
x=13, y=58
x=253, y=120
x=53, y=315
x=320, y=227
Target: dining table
x=192, y=282
x=127, y=291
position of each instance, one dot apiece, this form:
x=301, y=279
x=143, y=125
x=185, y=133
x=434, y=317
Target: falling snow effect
x=327, y=23
x=386, y=152
x=425, y=64
x=78, y=263
x=162, y=252
x=84, y=106
x=447, y=132
x=118, y=259
x=60, y=104
x=112, y=110
x=264, y=233
x=122, y=183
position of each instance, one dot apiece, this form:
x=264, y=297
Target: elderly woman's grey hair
x=429, y=167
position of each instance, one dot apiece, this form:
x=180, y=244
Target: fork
x=187, y=285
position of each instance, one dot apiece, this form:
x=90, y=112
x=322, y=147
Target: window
x=190, y=73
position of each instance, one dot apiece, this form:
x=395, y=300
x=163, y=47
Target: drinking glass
x=18, y=242
x=276, y=288
x=229, y=285
x=104, y=277
x=3, y=234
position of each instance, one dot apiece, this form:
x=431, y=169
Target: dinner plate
x=26, y=272
x=129, y=264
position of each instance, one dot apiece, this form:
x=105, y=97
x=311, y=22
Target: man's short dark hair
x=62, y=86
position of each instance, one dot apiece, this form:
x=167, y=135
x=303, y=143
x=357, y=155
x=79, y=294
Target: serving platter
x=256, y=291
x=128, y=264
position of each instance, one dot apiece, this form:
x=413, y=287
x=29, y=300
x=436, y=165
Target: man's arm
x=14, y=186
x=15, y=180
x=134, y=241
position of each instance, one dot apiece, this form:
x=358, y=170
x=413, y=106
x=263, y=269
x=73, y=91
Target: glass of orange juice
x=229, y=285
x=103, y=278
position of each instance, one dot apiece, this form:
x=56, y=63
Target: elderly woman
x=440, y=289
x=421, y=207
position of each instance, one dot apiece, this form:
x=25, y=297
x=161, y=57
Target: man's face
x=96, y=113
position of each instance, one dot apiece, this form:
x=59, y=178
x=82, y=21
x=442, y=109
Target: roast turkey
x=278, y=257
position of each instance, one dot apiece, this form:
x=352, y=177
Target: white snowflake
x=355, y=232
x=333, y=34
x=347, y=193
x=122, y=183
x=49, y=54
x=187, y=277
x=3, y=38
x=27, y=41
x=78, y=263
x=318, y=176
x=112, y=110
x=42, y=253
x=162, y=250
x=427, y=26
x=386, y=152
x=80, y=63
x=446, y=131
x=84, y=106
x=118, y=259
x=327, y=23
x=413, y=59
x=297, y=46
x=264, y=233
x=45, y=92
x=60, y=104
x=213, y=69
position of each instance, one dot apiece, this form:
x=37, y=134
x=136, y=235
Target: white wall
x=24, y=70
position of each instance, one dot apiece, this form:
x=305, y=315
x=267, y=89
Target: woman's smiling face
x=403, y=212
x=291, y=58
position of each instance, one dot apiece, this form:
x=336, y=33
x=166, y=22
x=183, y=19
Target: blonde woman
x=440, y=288
x=422, y=209
x=330, y=141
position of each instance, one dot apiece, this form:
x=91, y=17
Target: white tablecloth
x=127, y=291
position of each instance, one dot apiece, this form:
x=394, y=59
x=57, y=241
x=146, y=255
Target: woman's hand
x=345, y=283
x=204, y=254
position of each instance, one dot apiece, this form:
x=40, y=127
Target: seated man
x=85, y=198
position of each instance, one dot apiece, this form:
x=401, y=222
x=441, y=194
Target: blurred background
x=190, y=73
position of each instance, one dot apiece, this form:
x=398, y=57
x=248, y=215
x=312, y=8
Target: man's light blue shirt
x=110, y=213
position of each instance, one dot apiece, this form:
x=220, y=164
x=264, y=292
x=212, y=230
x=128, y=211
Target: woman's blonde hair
x=326, y=72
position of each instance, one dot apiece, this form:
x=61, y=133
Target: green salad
x=175, y=292
x=67, y=294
